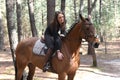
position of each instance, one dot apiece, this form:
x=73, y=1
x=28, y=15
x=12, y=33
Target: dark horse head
x=88, y=32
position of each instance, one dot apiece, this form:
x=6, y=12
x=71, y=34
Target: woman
x=52, y=37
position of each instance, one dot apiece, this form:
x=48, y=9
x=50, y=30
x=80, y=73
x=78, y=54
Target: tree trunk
x=75, y=10
x=91, y=50
x=100, y=3
x=1, y=33
x=100, y=6
x=63, y=6
x=81, y=6
x=32, y=20
x=50, y=11
x=19, y=20
x=10, y=4
x=89, y=7
x=93, y=5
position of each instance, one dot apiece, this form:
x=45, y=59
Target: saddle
x=39, y=47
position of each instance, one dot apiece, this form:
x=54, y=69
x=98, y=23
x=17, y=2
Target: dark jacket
x=54, y=31
x=52, y=37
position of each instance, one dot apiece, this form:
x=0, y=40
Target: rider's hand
x=60, y=55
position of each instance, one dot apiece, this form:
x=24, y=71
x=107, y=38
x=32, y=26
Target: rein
x=75, y=40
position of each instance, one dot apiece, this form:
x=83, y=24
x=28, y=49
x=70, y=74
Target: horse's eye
x=87, y=29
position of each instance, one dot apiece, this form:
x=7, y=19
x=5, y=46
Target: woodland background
x=21, y=19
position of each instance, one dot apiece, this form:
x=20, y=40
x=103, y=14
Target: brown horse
x=70, y=49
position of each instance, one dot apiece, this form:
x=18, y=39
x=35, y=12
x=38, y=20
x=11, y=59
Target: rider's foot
x=46, y=67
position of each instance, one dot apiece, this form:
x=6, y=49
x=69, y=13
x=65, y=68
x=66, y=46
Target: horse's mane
x=72, y=26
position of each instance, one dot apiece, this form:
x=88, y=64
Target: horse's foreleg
x=61, y=76
x=31, y=71
x=71, y=76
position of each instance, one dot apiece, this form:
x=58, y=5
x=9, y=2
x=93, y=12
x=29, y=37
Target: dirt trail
x=108, y=66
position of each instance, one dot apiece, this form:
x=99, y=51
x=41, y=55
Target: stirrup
x=46, y=67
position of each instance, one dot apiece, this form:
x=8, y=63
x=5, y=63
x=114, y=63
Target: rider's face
x=60, y=18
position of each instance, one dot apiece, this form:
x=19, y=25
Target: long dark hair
x=54, y=24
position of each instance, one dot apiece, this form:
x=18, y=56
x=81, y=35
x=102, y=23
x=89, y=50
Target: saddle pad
x=39, y=48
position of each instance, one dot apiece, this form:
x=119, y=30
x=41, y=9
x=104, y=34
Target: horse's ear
x=89, y=17
x=81, y=17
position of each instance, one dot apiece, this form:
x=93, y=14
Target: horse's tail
x=15, y=70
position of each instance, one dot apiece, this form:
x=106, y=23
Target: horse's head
x=88, y=32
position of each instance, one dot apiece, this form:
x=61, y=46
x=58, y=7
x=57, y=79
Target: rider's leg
x=49, y=41
x=48, y=58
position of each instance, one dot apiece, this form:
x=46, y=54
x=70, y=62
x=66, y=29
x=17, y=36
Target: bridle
x=87, y=34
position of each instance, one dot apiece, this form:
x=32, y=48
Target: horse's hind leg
x=20, y=72
x=20, y=68
x=31, y=71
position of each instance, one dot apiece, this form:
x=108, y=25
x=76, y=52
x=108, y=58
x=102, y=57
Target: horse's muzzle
x=95, y=44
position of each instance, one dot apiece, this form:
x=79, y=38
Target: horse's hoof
x=44, y=70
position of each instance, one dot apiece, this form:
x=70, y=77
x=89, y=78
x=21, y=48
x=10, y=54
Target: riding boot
x=48, y=56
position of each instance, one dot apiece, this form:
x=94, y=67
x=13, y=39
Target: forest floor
x=108, y=65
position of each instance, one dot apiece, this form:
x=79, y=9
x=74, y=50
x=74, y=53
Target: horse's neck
x=73, y=45
x=73, y=40
x=71, y=49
